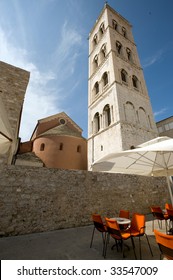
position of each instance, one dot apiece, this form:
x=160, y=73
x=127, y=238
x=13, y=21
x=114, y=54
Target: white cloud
x=69, y=39
x=41, y=98
x=153, y=59
x=67, y=51
x=160, y=112
x=46, y=89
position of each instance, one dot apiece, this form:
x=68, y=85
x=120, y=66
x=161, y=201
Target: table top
x=121, y=221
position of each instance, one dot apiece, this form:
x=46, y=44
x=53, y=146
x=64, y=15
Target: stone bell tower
x=119, y=110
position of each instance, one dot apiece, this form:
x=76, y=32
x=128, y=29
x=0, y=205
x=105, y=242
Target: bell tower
x=119, y=110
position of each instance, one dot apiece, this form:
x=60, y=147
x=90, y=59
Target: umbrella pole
x=169, y=181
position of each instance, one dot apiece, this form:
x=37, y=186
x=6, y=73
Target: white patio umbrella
x=153, y=158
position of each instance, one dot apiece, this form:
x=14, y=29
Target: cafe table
x=121, y=221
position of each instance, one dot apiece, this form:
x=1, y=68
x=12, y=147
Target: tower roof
x=106, y=6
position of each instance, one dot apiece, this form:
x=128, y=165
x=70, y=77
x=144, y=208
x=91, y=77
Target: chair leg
x=104, y=242
x=153, y=224
x=166, y=226
x=133, y=245
x=160, y=224
x=105, y=247
x=122, y=248
x=148, y=244
x=116, y=244
x=140, y=252
x=92, y=237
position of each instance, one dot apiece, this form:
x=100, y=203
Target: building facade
x=57, y=142
x=165, y=127
x=119, y=110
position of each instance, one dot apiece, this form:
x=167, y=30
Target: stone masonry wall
x=34, y=199
x=13, y=84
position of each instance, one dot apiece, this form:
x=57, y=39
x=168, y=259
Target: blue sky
x=49, y=38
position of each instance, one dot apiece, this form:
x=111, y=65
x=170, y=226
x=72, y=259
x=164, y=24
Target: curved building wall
x=65, y=152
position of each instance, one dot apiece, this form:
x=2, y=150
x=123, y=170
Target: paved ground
x=71, y=244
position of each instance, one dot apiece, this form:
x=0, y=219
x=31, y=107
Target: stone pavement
x=72, y=244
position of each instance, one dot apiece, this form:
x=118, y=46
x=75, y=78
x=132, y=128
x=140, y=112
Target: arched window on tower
x=118, y=47
x=105, y=78
x=124, y=32
x=114, y=24
x=124, y=76
x=107, y=115
x=95, y=61
x=103, y=52
x=135, y=82
x=95, y=39
x=129, y=54
x=102, y=28
x=96, y=122
x=96, y=88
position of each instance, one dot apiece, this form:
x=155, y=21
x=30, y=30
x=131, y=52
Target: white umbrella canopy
x=152, y=158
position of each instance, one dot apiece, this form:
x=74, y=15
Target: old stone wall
x=34, y=199
x=13, y=84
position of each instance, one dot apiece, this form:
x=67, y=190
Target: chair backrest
x=157, y=212
x=168, y=206
x=165, y=243
x=124, y=214
x=170, y=214
x=98, y=222
x=138, y=223
x=113, y=228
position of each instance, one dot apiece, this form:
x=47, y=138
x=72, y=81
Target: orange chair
x=159, y=215
x=137, y=229
x=118, y=235
x=168, y=206
x=165, y=243
x=170, y=217
x=99, y=225
x=124, y=214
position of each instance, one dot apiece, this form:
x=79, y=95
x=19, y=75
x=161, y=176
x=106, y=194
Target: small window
x=105, y=79
x=61, y=146
x=42, y=147
x=96, y=87
x=96, y=122
x=160, y=129
x=171, y=125
x=95, y=39
x=118, y=47
x=62, y=121
x=124, y=31
x=102, y=28
x=114, y=24
x=78, y=149
x=129, y=54
x=107, y=115
x=103, y=50
x=96, y=60
x=124, y=75
x=101, y=147
x=135, y=81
